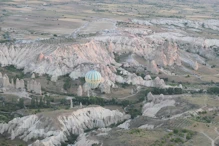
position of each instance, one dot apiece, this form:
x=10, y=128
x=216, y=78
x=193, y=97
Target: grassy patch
x=175, y=138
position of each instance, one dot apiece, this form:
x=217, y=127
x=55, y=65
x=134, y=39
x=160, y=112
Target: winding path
x=130, y=95
x=212, y=141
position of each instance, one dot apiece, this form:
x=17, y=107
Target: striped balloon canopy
x=93, y=78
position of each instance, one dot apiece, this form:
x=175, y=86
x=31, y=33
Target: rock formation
x=83, y=140
x=6, y=85
x=34, y=86
x=105, y=87
x=155, y=103
x=71, y=103
x=79, y=91
x=33, y=76
x=153, y=67
x=53, y=129
x=159, y=50
x=147, y=77
x=150, y=97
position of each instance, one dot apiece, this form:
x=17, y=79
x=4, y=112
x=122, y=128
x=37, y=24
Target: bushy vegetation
x=90, y=100
x=5, y=141
x=168, y=91
x=175, y=138
x=135, y=131
x=204, y=117
x=12, y=69
x=71, y=140
x=40, y=102
x=213, y=90
x=67, y=84
x=133, y=111
x=7, y=109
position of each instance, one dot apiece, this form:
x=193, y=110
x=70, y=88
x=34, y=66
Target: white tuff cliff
x=52, y=128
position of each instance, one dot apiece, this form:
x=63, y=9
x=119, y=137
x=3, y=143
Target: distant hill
x=142, y=1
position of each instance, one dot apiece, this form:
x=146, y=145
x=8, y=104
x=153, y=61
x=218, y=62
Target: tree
x=21, y=103
x=48, y=102
x=41, y=102
x=124, y=103
x=33, y=102
x=37, y=102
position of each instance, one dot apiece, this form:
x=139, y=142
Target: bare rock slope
x=53, y=128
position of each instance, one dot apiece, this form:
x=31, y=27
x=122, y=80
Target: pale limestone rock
x=88, y=93
x=17, y=83
x=76, y=59
x=22, y=84
x=105, y=87
x=146, y=126
x=34, y=86
x=126, y=64
x=83, y=140
x=178, y=61
x=125, y=125
x=1, y=82
x=12, y=135
x=161, y=97
x=41, y=57
x=61, y=124
x=150, y=97
x=161, y=59
x=150, y=109
x=153, y=67
x=54, y=78
x=79, y=91
x=71, y=103
x=28, y=86
x=37, y=143
x=195, y=67
x=147, y=77
x=159, y=82
x=86, y=87
x=33, y=76
x=5, y=81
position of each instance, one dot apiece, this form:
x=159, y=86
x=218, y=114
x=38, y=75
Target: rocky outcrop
x=7, y=85
x=20, y=84
x=105, y=87
x=53, y=128
x=155, y=103
x=34, y=86
x=79, y=91
x=147, y=78
x=103, y=53
x=183, y=23
x=150, y=97
x=195, y=67
x=153, y=67
x=159, y=82
x=83, y=140
x=33, y=76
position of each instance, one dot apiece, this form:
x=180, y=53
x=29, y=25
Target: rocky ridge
x=53, y=128
x=156, y=50
x=155, y=104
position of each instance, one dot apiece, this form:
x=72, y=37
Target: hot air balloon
x=93, y=79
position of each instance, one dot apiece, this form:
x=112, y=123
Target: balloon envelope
x=93, y=78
